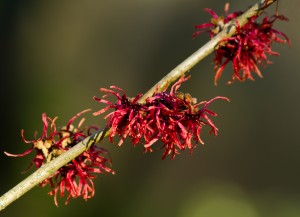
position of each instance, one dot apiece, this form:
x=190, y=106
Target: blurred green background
x=55, y=56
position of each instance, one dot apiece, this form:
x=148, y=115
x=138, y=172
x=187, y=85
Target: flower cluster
x=75, y=178
x=173, y=117
x=247, y=48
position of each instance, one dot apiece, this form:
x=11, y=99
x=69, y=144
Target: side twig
x=49, y=168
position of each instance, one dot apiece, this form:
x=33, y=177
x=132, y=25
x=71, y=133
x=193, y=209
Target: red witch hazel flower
x=247, y=48
x=173, y=117
x=75, y=178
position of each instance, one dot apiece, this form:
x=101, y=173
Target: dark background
x=56, y=54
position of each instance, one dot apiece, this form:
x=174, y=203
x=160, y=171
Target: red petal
x=19, y=155
x=102, y=110
x=150, y=143
x=211, y=12
x=76, y=116
x=44, y=118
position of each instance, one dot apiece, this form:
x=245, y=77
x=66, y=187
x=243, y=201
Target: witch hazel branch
x=68, y=159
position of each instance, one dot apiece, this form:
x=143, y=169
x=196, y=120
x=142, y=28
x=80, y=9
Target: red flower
x=247, y=48
x=75, y=178
x=128, y=117
x=174, y=118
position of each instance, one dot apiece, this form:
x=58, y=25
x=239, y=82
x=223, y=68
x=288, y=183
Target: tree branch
x=49, y=168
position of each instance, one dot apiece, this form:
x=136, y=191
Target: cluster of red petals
x=173, y=117
x=247, y=48
x=76, y=178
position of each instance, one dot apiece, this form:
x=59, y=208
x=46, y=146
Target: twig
x=49, y=168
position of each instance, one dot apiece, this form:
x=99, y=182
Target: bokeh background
x=55, y=56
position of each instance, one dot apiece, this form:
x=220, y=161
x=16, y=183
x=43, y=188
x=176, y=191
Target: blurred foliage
x=55, y=56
